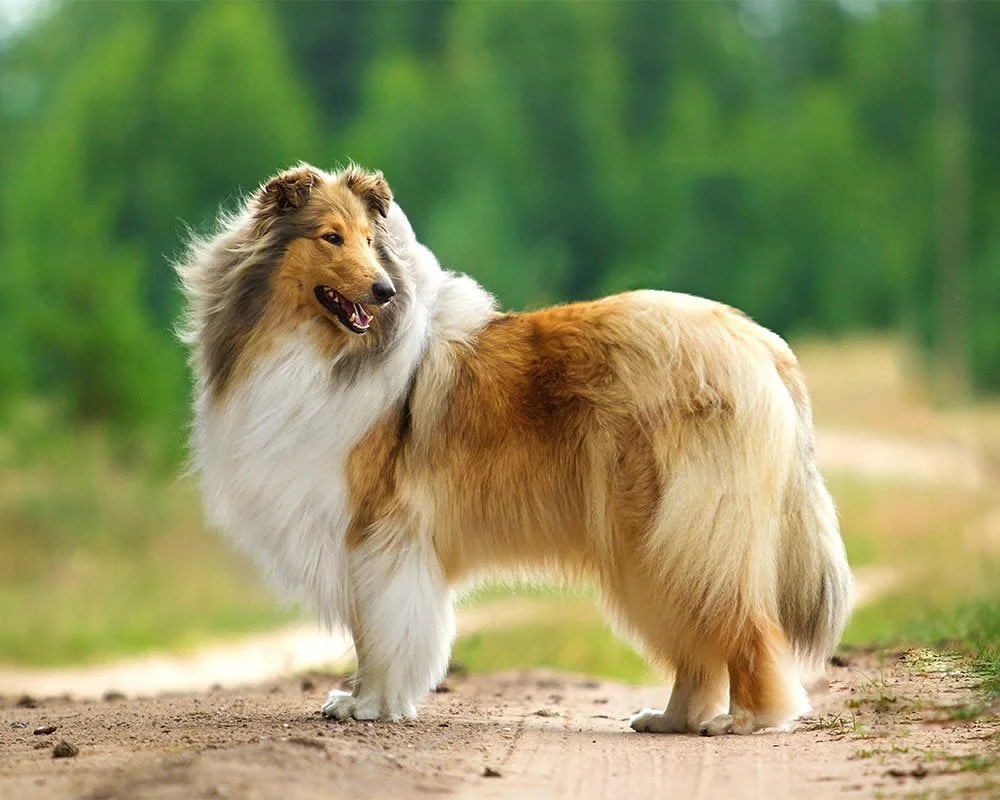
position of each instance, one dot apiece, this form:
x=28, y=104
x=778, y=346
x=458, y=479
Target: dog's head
x=311, y=250
x=328, y=224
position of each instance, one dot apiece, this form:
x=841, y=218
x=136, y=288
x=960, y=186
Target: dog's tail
x=814, y=579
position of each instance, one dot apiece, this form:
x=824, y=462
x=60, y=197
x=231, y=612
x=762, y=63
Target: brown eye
x=334, y=238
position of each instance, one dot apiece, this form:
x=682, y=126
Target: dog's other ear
x=370, y=187
x=287, y=191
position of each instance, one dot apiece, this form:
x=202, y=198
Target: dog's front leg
x=403, y=624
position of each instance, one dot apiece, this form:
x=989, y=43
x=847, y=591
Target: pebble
x=65, y=750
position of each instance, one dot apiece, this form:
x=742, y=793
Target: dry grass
x=98, y=560
x=881, y=385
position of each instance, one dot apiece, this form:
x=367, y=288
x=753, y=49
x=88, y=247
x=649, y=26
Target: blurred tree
x=953, y=193
x=73, y=285
x=332, y=45
x=163, y=116
x=777, y=156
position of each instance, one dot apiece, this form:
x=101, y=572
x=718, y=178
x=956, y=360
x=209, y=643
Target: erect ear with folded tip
x=288, y=191
x=371, y=187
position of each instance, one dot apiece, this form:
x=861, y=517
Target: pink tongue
x=363, y=316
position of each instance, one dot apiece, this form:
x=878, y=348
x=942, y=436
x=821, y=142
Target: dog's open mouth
x=352, y=315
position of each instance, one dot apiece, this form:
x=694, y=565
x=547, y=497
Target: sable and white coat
x=656, y=444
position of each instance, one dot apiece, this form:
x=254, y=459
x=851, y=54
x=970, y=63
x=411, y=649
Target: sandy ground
x=911, y=724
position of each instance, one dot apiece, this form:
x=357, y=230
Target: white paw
x=343, y=706
x=741, y=724
x=649, y=720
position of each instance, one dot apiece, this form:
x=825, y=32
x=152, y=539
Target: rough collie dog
x=377, y=434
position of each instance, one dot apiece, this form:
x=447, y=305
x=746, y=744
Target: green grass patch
x=568, y=636
x=974, y=624
x=496, y=590
x=95, y=606
x=969, y=626
x=987, y=664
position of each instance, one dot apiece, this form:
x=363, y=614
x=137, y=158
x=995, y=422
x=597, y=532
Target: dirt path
x=878, y=457
x=913, y=724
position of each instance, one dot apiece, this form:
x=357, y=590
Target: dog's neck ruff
x=273, y=454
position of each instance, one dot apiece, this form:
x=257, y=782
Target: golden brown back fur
x=564, y=432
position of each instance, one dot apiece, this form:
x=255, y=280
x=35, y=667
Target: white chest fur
x=273, y=460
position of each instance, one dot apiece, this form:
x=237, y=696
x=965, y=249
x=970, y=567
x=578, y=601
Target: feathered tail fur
x=814, y=579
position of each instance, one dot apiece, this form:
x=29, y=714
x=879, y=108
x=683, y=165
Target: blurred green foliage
x=779, y=156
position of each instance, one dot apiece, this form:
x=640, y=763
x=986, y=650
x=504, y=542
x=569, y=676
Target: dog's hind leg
x=402, y=621
x=698, y=695
x=764, y=686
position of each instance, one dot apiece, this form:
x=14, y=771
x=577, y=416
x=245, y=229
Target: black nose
x=383, y=291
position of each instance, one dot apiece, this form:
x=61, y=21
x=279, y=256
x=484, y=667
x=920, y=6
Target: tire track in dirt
x=905, y=724
x=592, y=757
